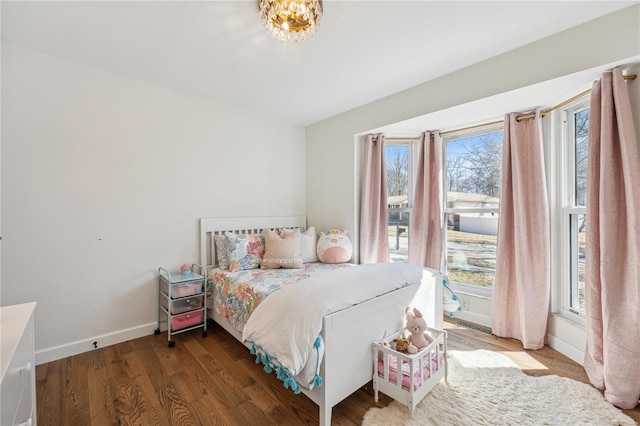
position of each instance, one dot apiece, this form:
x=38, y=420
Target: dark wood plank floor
x=215, y=381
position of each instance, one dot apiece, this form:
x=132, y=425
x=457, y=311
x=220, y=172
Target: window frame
x=467, y=288
x=570, y=212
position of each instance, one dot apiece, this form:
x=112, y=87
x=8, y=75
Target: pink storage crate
x=186, y=320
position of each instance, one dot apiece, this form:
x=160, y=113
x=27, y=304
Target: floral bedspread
x=237, y=294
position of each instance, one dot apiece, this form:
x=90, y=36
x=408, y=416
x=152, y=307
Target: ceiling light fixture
x=291, y=21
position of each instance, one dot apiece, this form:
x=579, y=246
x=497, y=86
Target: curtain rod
x=519, y=118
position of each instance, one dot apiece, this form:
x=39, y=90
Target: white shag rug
x=488, y=388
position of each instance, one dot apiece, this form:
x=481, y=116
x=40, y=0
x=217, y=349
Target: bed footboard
x=349, y=334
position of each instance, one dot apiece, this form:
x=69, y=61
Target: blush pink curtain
x=612, y=356
x=425, y=232
x=521, y=290
x=374, y=240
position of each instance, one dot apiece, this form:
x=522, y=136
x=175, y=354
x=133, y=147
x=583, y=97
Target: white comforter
x=284, y=330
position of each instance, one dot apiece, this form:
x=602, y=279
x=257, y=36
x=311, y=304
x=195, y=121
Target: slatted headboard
x=210, y=226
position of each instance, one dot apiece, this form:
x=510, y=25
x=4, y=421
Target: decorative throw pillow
x=334, y=247
x=222, y=245
x=308, y=244
x=282, y=252
x=245, y=251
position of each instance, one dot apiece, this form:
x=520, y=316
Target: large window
x=574, y=164
x=473, y=163
x=399, y=175
x=473, y=173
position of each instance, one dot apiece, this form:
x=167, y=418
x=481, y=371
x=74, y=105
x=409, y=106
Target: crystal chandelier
x=291, y=21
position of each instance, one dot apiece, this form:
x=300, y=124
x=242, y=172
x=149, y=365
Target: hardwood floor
x=215, y=381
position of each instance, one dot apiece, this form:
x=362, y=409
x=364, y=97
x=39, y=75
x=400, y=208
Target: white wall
x=333, y=197
x=103, y=181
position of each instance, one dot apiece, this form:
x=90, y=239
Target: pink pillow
x=282, y=252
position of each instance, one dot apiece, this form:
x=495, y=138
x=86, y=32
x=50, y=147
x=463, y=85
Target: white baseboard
x=86, y=345
x=57, y=352
x=566, y=349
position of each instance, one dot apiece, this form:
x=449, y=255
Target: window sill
x=570, y=319
x=472, y=290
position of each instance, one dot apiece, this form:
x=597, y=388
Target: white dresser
x=18, y=388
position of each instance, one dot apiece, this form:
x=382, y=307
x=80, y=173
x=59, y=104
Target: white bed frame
x=348, y=334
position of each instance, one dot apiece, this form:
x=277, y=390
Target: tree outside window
x=399, y=192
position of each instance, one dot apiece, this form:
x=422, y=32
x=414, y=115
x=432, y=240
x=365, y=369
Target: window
x=472, y=181
x=473, y=169
x=399, y=175
x=574, y=164
x=473, y=173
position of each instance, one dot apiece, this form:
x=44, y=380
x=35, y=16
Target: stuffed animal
x=417, y=328
x=450, y=302
x=334, y=247
x=401, y=344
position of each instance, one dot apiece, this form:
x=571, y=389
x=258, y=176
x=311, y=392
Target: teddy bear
x=401, y=344
x=418, y=337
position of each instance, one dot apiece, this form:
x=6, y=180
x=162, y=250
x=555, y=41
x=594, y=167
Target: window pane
x=397, y=164
x=581, y=132
x=577, y=225
x=576, y=185
x=471, y=257
x=398, y=236
x=473, y=171
x=473, y=182
x=398, y=200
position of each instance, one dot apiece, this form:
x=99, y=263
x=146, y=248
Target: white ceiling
x=362, y=51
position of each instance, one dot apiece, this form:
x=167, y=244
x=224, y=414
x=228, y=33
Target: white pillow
x=281, y=252
x=308, y=244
